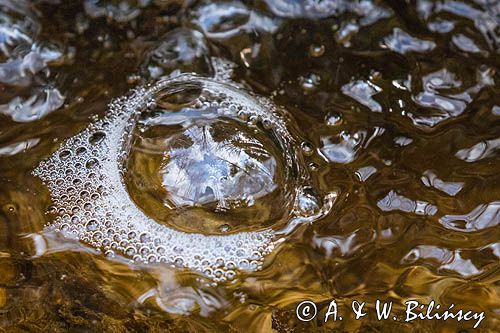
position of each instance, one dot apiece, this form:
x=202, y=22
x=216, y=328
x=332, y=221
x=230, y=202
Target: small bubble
x=310, y=83
x=130, y=251
x=179, y=262
x=145, y=238
x=225, y=228
x=230, y=275
x=243, y=115
x=97, y=236
x=91, y=163
x=267, y=124
x=91, y=225
x=253, y=120
x=307, y=148
x=80, y=151
x=65, y=154
x=333, y=119
x=316, y=50
x=96, y=138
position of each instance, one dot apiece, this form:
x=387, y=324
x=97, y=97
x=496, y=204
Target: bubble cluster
x=88, y=176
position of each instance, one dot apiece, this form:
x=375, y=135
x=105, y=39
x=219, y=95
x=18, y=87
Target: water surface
x=392, y=107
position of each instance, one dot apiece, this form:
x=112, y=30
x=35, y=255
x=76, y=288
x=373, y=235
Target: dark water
x=388, y=110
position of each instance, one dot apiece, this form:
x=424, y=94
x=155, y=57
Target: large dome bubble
x=188, y=171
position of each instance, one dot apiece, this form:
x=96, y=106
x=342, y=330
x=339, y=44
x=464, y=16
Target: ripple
x=181, y=49
x=18, y=147
x=362, y=92
x=345, y=33
x=311, y=9
x=402, y=141
x=211, y=162
x=395, y=201
x=441, y=26
x=345, y=147
x=34, y=107
x=479, y=151
x=25, y=65
x=466, y=44
x=229, y=19
x=121, y=12
x=365, y=172
x=485, y=21
x=447, y=259
x=430, y=179
x=19, y=72
x=482, y=217
x=437, y=98
x=403, y=43
x=341, y=246
x=18, y=27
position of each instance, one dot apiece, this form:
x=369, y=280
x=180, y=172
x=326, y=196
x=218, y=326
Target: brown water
x=393, y=107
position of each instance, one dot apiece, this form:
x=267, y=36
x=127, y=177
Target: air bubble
x=91, y=225
x=249, y=169
x=230, y=275
x=96, y=138
x=130, y=251
x=333, y=119
x=316, y=51
x=97, y=236
x=179, y=262
x=144, y=238
x=307, y=148
x=225, y=228
x=310, y=83
x=65, y=154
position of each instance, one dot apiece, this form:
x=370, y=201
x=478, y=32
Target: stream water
x=205, y=166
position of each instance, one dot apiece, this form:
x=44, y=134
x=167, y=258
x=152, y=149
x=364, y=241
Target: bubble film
x=220, y=152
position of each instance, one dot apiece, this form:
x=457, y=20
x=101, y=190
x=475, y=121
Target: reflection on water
x=393, y=106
